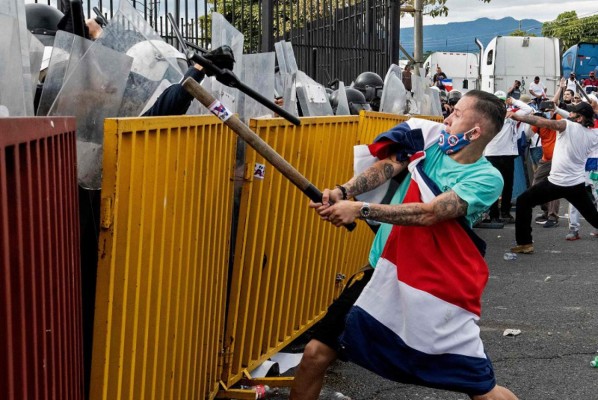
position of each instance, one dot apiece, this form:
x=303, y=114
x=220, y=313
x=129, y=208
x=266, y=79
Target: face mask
x=452, y=143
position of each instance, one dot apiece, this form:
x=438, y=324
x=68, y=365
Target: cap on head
x=526, y=98
x=501, y=95
x=583, y=109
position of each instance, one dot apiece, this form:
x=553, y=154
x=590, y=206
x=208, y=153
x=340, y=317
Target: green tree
x=434, y=8
x=245, y=14
x=519, y=32
x=572, y=30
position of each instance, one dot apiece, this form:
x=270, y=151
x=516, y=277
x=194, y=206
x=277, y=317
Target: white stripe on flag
x=423, y=321
x=426, y=193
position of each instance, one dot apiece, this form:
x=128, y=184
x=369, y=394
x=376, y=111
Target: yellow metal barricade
x=164, y=249
x=287, y=259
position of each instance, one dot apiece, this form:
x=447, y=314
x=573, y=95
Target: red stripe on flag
x=441, y=260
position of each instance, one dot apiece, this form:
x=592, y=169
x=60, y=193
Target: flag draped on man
x=416, y=320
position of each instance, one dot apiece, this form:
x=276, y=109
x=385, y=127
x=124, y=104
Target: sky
x=469, y=10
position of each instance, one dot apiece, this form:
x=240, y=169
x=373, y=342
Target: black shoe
x=507, y=219
x=490, y=224
x=551, y=223
x=541, y=220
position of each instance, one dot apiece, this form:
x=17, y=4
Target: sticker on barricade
x=219, y=110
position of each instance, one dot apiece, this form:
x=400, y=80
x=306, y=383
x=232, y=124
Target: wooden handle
x=253, y=140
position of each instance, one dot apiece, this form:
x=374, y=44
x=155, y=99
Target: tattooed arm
x=374, y=176
x=540, y=122
x=445, y=206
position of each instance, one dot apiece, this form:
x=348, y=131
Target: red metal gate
x=40, y=288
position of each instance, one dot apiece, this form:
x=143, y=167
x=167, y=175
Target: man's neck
x=468, y=155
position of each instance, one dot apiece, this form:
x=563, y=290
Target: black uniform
x=175, y=100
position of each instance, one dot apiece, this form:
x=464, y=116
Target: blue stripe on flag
x=386, y=354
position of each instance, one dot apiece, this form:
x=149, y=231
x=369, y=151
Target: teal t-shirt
x=479, y=184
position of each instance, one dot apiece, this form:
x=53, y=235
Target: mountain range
x=459, y=36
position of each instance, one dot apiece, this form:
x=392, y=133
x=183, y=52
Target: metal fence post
x=267, y=26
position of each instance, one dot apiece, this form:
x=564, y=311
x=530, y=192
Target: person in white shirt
x=572, y=83
x=501, y=152
x=576, y=139
x=537, y=90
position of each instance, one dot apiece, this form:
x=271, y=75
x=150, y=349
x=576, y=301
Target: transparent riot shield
x=16, y=9
x=257, y=73
x=312, y=96
x=153, y=59
x=394, y=95
x=419, y=85
x=93, y=91
x=67, y=51
x=223, y=33
x=36, y=54
x=289, y=55
x=434, y=100
x=342, y=107
x=287, y=71
x=12, y=97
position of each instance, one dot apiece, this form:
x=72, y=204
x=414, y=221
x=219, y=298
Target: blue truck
x=580, y=59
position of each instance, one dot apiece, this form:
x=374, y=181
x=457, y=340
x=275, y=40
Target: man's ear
x=474, y=134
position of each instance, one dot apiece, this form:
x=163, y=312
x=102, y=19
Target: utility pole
x=418, y=34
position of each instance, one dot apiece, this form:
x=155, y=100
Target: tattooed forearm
x=401, y=214
x=449, y=205
x=373, y=177
x=446, y=206
x=541, y=122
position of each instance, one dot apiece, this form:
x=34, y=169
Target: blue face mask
x=452, y=143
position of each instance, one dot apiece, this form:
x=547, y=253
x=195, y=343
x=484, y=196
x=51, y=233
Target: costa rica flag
x=416, y=320
x=448, y=84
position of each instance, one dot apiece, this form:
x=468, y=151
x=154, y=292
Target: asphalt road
x=551, y=296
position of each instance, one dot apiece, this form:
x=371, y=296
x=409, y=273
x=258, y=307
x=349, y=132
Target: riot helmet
x=453, y=97
x=42, y=21
x=370, y=84
x=443, y=96
x=357, y=101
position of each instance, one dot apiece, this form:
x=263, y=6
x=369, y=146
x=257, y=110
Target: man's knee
x=318, y=355
x=497, y=393
x=523, y=200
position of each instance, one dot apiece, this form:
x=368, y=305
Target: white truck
x=462, y=68
x=510, y=58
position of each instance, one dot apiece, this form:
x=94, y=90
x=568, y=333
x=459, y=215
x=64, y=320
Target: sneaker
x=594, y=233
x=551, y=223
x=490, y=224
x=572, y=235
x=523, y=249
x=507, y=219
x=541, y=220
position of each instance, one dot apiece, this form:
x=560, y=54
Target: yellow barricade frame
x=171, y=320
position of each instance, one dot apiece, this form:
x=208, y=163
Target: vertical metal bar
x=267, y=25
x=395, y=29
